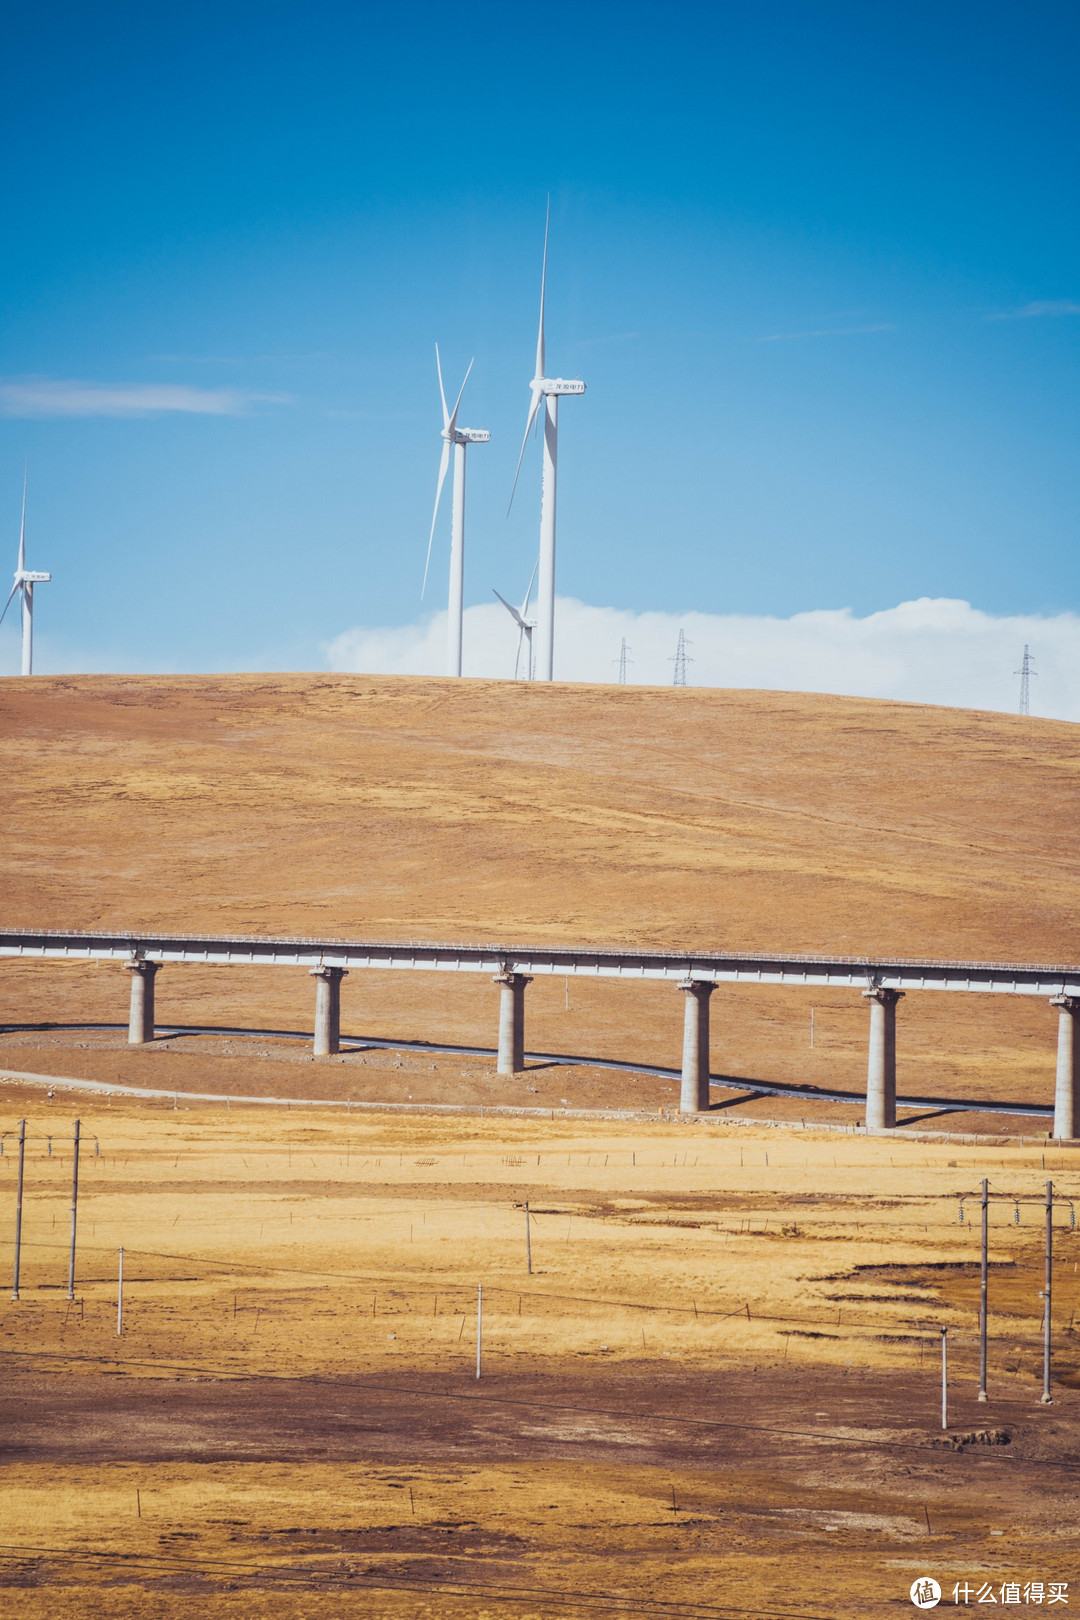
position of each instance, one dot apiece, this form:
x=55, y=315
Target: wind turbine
x=459, y=438
x=547, y=389
x=525, y=627
x=25, y=580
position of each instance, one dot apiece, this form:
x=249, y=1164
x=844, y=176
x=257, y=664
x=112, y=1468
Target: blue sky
x=817, y=264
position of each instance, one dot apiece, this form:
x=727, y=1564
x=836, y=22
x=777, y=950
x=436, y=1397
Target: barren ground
x=718, y=1393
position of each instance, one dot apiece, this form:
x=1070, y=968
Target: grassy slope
x=679, y=818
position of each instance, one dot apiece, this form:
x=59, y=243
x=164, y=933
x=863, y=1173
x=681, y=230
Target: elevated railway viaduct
x=883, y=982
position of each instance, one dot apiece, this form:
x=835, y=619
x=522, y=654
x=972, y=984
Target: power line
x=451, y=1585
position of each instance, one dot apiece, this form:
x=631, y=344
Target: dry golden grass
x=717, y=1395
x=681, y=818
x=677, y=818
x=294, y=1400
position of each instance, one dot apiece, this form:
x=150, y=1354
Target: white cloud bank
x=935, y=650
x=46, y=396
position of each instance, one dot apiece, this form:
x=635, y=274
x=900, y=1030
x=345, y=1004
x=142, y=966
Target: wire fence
x=432, y=1296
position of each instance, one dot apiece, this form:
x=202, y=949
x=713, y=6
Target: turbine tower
x=547, y=389
x=25, y=580
x=459, y=438
x=525, y=627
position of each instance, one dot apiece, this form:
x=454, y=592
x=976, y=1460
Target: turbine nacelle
x=450, y=434
x=550, y=387
x=525, y=626
x=518, y=617
x=25, y=580
x=458, y=435
x=460, y=438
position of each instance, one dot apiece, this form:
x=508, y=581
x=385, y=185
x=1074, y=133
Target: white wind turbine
x=547, y=389
x=525, y=626
x=459, y=438
x=25, y=580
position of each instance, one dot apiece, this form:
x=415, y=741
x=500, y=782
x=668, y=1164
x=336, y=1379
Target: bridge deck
x=728, y=967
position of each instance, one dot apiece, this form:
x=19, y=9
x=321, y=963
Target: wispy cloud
x=46, y=396
x=828, y=331
x=1042, y=306
x=930, y=651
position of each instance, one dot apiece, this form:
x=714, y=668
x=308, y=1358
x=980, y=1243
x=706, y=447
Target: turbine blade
x=543, y=289
x=453, y=414
x=532, y=581
x=7, y=604
x=22, y=525
x=517, y=656
x=533, y=408
x=444, y=462
x=442, y=390
x=513, y=612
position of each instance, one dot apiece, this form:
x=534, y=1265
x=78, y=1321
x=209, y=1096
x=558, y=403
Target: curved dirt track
x=730, y=1089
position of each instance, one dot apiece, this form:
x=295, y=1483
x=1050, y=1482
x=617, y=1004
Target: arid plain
x=717, y=1393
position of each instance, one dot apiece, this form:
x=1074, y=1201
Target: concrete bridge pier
x=694, y=1093
x=511, y=1021
x=141, y=1017
x=327, y=1009
x=1068, y=1065
x=881, y=1067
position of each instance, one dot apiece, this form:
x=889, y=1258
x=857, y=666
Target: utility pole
x=681, y=660
x=18, y=1207
x=944, y=1379
x=1026, y=671
x=623, y=660
x=1048, y=1290
x=74, y=1212
x=983, y=1290
x=479, y=1325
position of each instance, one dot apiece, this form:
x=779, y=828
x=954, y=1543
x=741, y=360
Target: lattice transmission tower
x=681, y=659
x=1026, y=671
x=624, y=661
